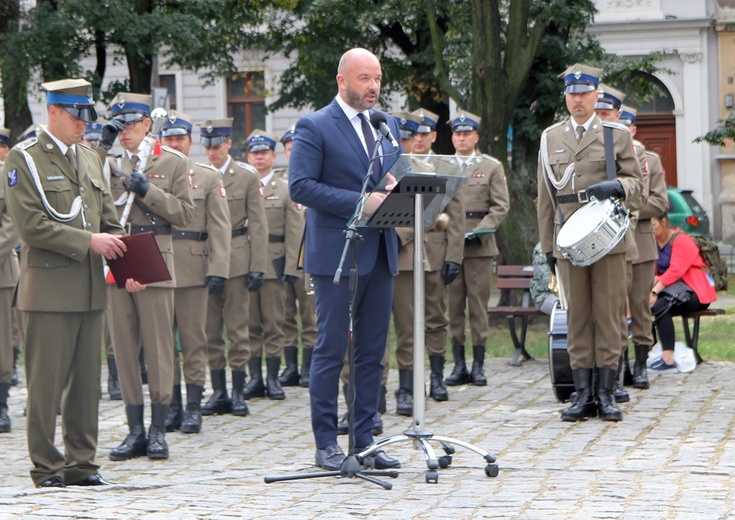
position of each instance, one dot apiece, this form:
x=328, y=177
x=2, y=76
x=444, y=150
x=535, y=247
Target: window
x=246, y=105
x=167, y=82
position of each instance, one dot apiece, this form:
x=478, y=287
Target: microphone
x=380, y=123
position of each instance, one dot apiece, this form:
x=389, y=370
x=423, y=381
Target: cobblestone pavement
x=673, y=456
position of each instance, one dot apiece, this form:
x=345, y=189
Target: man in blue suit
x=329, y=160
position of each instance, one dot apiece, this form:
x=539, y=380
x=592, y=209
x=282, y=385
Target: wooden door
x=657, y=132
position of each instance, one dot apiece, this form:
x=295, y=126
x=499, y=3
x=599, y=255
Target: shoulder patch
x=12, y=178
x=24, y=145
x=248, y=167
x=613, y=124
x=175, y=152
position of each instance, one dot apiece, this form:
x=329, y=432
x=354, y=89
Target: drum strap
x=607, y=136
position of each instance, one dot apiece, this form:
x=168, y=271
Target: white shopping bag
x=683, y=356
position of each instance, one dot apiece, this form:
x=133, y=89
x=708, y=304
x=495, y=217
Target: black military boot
x=477, y=377
x=459, y=375
x=143, y=366
x=306, y=353
x=627, y=374
x=113, y=383
x=175, y=411
x=640, y=371
x=14, y=372
x=239, y=406
x=437, y=389
x=192, y=422
x=135, y=443
x=255, y=387
x=619, y=393
x=404, y=394
x=4, y=417
x=342, y=425
x=157, y=447
x=583, y=405
x=606, y=406
x=290, y=374
x=220, y=402
x=272, y=386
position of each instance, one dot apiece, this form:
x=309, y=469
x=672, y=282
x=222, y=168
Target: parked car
x=685, y=212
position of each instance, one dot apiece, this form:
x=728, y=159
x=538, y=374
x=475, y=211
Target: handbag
x=676, y=293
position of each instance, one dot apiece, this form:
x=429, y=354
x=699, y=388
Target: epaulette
x=207, y=167
x=86, y=146
x=636, y=142
x=283, y=179
x=549, y=128
x=649, y=152
x=491, y=158
x=175, y=152
x=24, y=145
x=248, y=167
x=614, y=124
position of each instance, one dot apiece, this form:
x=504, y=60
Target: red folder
x=143, y=261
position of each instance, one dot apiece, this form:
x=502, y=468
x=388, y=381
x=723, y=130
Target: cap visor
x=87, y=114
x=579, y=88
x=209, y=142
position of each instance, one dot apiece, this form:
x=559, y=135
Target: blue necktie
x=367, y=133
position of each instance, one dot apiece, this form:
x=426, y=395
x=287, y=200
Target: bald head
x=358, y=79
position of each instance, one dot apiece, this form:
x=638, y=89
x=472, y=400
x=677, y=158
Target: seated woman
x=683, y=285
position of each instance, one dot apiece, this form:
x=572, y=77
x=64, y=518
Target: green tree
x=722, y=135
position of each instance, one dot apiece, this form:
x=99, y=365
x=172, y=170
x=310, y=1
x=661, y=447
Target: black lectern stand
x=420, y=191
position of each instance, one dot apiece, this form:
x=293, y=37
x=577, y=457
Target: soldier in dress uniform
x=643, y=265
x=8, y=280
x=443, y=255
x=485, y=200
x=202, y=261
x=163, y=199
x=285, y=228
x=609, y=108
x=572, y=169
x=298, y=300
x=62, y=210
x=248, y=259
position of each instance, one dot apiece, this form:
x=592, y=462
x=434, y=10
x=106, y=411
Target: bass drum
x=559, y=367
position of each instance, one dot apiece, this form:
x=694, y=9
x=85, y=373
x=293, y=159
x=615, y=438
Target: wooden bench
x=516, y=278
x=692, y=335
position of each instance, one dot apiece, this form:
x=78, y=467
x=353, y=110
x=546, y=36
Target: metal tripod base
x=421, y=439
x=350, y=468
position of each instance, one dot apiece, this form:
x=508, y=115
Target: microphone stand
x=351, y=467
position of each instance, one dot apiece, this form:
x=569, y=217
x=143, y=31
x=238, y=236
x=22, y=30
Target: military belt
x=190, y=235
x=475, y=214
x=276, y=238
x=580, y=198
x=155, y=229
x=239, y=232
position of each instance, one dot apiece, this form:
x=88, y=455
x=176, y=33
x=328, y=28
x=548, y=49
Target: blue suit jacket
x=326, y=169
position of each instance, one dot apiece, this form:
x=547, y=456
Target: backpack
x=716, y=266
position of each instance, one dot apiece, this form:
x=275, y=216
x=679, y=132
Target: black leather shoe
x=330, y=458
x=380, y=460
x=92, y=480
x=53, y=482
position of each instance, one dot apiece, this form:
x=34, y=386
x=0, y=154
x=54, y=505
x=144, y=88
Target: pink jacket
x=687, y=264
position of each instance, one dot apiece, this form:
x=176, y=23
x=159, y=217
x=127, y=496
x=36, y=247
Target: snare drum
x=592, y=231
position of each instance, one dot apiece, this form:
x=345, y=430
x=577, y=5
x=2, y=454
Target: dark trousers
x=372, y=319
x=665, y=320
